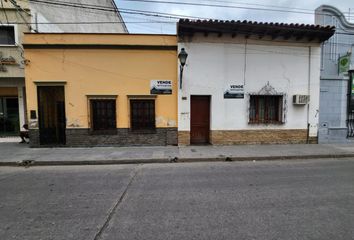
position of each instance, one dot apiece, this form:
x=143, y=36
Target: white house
x=248, y=82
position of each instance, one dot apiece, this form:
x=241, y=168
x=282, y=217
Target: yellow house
x=101, y=89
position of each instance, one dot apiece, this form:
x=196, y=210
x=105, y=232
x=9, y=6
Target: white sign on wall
x=161, y=87
x=234, y=91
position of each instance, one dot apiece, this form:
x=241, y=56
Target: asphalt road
x=312, y=199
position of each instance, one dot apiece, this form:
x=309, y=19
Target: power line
x=255, y=4
x=19, y=10
x=128, y=11
x=223, y=6
x=108, y=22
x=262, y=5
x=132, y=22
x=118, y=14
x=2, y=6
x=123, y=10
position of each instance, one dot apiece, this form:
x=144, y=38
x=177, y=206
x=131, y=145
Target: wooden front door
x=52, y=120
x=200, y=119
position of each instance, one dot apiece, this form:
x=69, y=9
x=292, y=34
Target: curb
x=31, y=163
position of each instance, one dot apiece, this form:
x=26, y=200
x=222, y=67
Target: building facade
x=249, y=83
x=336, y=122
x=12, y=63
x=101, y=89
x=18, y=17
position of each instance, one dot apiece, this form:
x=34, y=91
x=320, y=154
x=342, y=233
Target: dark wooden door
x=52, y=121
x=9, y=116
x=200, y=119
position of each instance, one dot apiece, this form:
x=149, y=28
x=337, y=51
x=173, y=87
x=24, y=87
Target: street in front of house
x=310, y=199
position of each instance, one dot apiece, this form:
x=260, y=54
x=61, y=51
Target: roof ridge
x=302, y=25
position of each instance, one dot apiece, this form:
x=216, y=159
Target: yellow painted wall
x=102, y=38
x=103, y=72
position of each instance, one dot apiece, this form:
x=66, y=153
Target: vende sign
x=161, y=87
x=234, y=91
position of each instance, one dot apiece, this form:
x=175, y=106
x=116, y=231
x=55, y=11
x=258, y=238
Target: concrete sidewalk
x=14, y=154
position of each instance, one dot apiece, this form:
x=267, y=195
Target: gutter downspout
x=245, y=64
x=349, y=88
x=308, y=92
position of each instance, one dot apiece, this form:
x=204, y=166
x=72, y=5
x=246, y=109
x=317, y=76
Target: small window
x=142, y=115
x=103, y=115
x=7, y=35
x=266, y=109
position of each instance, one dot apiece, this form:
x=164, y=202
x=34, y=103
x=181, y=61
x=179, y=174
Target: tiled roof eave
x=248, y=28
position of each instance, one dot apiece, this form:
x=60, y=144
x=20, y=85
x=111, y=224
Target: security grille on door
x=301, y=99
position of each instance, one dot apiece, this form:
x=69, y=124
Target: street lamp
x=182, y=56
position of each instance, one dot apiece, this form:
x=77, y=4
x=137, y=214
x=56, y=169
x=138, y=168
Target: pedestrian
x=24, y=134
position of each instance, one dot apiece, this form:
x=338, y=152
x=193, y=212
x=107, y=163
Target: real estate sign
x=234, y=91
x=161, y=87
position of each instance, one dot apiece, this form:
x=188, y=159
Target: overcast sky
x=226, y=13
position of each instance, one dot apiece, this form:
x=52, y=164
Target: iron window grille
x=103, y=115
x=266, y=109
x=142, y=115
x=267, y=106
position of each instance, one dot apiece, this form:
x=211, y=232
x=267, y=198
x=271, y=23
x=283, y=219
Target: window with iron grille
x=103, y=113
x=142, y=115
x=7, y=35
x=266, y=109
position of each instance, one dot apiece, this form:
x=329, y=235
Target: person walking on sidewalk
x=24, y=134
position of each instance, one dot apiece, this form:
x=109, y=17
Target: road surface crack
x=120, y=200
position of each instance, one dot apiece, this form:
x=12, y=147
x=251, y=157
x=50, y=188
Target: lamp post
x=182, y=56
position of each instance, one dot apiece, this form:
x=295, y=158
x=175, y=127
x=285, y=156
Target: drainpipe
x=245, y=64
x=349, y=96
x=308, y=92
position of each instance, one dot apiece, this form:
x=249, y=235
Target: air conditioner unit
x=301, y=99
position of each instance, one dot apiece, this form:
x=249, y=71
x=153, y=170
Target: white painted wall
x=214, y=63
x=21, y=107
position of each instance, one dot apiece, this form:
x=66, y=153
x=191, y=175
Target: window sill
x=12, y=45
x=266, y=123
